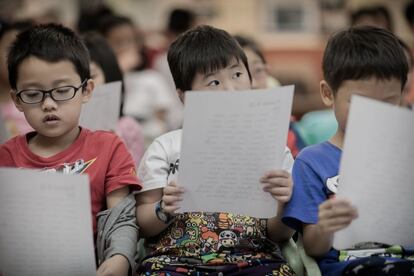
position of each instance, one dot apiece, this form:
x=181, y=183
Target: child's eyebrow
x=206, y=76
x=36, y=84
x=234, y=65
x=30, y=83
x=62, y=80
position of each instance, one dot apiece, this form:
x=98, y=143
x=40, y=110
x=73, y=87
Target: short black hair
x=52, y=43
x=246, y=42
x=202, y=49
x=363, y=52
x=103, y=55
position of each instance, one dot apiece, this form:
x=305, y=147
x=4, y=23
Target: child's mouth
x=51, y=119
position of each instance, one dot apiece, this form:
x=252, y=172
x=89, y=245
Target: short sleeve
x=6, y=159
x=154, y=167
x=307, y=195
x=121, y=169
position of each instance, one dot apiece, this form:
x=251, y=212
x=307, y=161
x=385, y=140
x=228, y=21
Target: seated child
x=13, y=119
x=50, y=80
x=364, y=61
x=104, y=68
x=197, y=243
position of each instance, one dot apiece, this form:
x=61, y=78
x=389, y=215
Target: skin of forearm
x=149, y=224
x=315, y=242
x=276, y=229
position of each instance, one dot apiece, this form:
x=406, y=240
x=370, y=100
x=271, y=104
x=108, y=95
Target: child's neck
x=48, y=146
x=338, y=139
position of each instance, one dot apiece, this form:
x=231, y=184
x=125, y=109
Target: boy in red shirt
x=50, y=80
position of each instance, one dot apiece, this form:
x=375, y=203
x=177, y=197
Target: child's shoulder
x=12, y=143
x=171, y=137
x=102, y=137
x=321, y=150
x=168, y=144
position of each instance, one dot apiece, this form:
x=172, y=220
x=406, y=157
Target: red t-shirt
x=100, y=154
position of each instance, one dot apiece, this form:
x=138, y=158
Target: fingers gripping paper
x=230, y=139
x=46, y=224
x=377, y=174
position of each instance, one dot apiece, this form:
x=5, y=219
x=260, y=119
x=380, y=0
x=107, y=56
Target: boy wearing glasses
x=50, y=80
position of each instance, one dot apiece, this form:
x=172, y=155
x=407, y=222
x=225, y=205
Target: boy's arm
x=120, y=179
x=277, y=230
x=150, y=225
x=279, y=184
x=117, y=264
x=334, y=214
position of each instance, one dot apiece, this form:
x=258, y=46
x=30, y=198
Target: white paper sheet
x=230, y=139
x=45, y=224
x=102, y=110
x=377, y=174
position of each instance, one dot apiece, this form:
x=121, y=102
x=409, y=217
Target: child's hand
x=116, y=265
x=279, y=184
x=172, y=194
x=336, y=214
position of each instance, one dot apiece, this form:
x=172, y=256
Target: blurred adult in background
x=179, y=21
x=90, y=14
x=104, y=68
x=14, y=120
x=409, y=15
x=122, y=35
x=147, y=95
x=375, y=16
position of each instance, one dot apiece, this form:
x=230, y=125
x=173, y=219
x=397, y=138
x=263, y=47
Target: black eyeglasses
x=58, y=94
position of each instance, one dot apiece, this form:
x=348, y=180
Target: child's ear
x=180, y=94
x=87, y=90
x=16, y=100
x=326, y=93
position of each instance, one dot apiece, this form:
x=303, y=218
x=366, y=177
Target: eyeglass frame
x=49, y=92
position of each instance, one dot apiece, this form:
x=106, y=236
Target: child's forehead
x=214, y=67
x=43, y=72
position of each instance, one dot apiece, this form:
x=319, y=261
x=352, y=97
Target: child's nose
x=229, y=86
x=48, y=103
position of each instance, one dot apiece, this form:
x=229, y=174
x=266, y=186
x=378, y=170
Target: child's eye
x=237, y=75
x=213, y=83
x=63, y=89
x=31, y=94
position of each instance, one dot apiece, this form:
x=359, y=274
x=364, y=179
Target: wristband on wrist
x=162, y=215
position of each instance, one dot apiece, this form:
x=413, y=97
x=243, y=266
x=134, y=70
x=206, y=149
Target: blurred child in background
x=261, y=79
x=104, y=68
x=14, y=120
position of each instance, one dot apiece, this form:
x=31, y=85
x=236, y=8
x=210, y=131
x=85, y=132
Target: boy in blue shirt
x=363, y=61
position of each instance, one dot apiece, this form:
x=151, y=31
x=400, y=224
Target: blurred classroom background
x=291, y=33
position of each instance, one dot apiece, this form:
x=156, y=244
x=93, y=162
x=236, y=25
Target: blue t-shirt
x=315, y=177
